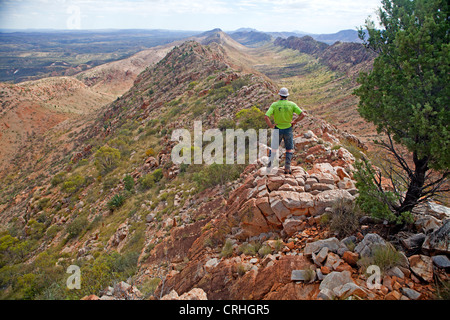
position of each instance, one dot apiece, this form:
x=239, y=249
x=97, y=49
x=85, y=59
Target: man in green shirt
x=283, y=111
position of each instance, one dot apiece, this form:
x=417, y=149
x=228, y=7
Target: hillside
x=30, y=109
x=117, y=77
x=101, y=192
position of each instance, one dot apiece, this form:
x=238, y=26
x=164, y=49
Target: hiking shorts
x=286, y=135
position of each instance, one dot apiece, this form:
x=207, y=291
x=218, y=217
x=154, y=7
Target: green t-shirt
x=282, y=111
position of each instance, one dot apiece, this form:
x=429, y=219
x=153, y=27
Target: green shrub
x=35, y=229
x=344, y=218
x=106, y=159
x=239, y=83
x=58, y=178
x=216, y=174
x=157, y=175
x=384, y=256
x=76, y=227
x=373, y=201
x=148, y=287
x=227, y=250
x=226, y=123
x=250, y=248
x=120, y=145
x=128, y=183
x=264, y=250
x=147, y=182
x=251, y=118
x=116, y=201
x=73, y=183
x=110, y=182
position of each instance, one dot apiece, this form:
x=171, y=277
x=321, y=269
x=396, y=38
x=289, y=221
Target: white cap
x=283, y=92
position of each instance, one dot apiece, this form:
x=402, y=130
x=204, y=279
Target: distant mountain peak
x=210, y=32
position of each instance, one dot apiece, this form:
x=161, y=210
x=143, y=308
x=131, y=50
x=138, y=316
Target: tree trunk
x=417, y=181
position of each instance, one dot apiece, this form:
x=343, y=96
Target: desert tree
x=406, y=95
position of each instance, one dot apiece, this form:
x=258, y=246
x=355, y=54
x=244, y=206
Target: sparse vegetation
x=344, y=218
x=106, y=159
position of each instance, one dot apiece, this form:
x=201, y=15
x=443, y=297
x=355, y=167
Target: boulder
x=411, y=293
x=370, y=242
x=328, y=198
x=307, y=275
x=394, y=295
x=211, y=264
x=413, y=242
x=293, y=224
x=350, y=289
x=441, y=261
x=333, y=261
x=284, y=203
x=422, y=266
x=437, y=210
x=252, y=220
x=335, y=279
x=439, y=240
x=351, y=258
x=427, y=223
x=321, y=256
x=332, y=244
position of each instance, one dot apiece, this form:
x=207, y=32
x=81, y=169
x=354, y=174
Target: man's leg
x=289, y=144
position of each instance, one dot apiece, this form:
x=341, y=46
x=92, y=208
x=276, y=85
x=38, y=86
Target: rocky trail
x=268, y=240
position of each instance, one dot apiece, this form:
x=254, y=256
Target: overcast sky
x=313, y=16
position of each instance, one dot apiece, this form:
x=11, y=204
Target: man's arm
x=298, y=119
x=269, y=123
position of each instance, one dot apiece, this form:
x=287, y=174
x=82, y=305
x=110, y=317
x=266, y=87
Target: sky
x=312, y=16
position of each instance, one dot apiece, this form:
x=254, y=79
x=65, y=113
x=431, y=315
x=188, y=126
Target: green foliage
x=76, y=227
x=226, y=123
x=58, y=178
x=216, y=174
x=73, y=183
x=384, y=256
x=149, y=286
x=344, y=218
x=239, y=83
x=379, y=204
x=264, y=250
x=147, y=182
x=106, y=159
x=128, y=182
x=105, y=270
x=406, y=95
x=227, y=250
x=251, y=248
x=35, y=229
x=116, y=201
x=157, y=175
x=220, y=92
x=120, y=145
x=251, y=118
